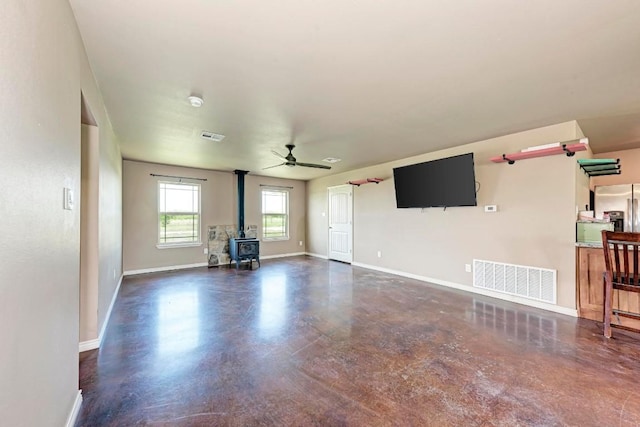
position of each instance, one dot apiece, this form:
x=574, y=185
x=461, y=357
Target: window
x=275, y=214
x=178, y=214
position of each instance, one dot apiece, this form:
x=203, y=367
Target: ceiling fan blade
x=275, y=153
x=312, y=165
x=274, y=166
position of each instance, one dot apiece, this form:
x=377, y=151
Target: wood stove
x=244, y=249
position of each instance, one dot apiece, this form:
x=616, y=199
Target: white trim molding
x=203, y=264
x=282, y=255
x=108, y=316
x=262, y=258
x=160, y=269
x=89, y=345
x=96, y=343
x=317, y=255
x=471, y=289
x=178, y=245
x=75, y=410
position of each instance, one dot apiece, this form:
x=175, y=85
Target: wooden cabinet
x=590, y=290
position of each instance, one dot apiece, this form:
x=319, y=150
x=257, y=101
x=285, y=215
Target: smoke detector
x=195, y=101
x=205, y=134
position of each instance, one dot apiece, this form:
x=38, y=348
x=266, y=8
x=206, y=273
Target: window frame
x=165, y=245
x=287, y=196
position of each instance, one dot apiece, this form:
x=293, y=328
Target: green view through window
x=178, y=213
x=275, y=214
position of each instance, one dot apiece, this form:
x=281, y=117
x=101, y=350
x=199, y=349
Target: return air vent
x=529, y=282
x=211, y=136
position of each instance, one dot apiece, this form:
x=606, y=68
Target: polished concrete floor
x=307, y=342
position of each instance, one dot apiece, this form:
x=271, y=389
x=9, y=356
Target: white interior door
x=341, y=223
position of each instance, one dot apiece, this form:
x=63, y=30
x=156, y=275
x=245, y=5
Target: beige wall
x=89, y=237
x=629, y=159
x=44, y=70
x=109, y=219
x=297, y=214
x=534, y=224
x=582, y=179
x=219, y=207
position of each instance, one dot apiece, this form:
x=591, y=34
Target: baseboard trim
x=233, y=262
x=89, y=345
x=470, y=289
x=160, y=269
x=282, y=255
x=75, y=410
x=316, y=255
x=96, y=343
x=108, y=316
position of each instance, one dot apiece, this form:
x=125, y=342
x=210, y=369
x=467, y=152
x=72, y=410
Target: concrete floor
x=302, y=341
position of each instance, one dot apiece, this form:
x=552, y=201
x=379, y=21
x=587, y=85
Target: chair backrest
x=618, y=245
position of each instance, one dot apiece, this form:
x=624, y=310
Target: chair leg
x=608, y=291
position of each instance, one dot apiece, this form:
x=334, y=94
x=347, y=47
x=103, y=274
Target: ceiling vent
x=205, y=134
x=331, y=160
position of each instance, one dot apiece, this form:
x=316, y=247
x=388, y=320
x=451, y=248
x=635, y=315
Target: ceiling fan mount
x=291, y=161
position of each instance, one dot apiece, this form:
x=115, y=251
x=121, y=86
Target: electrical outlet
x=379, y=254
x=300, y=243
x=491, y=208
x=114, y=273
x=206, y=251
x=467, y=268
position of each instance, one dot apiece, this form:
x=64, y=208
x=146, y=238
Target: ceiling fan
x=289, y=160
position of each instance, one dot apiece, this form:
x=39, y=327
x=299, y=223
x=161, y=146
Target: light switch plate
x=67, y=195
x=491, y=208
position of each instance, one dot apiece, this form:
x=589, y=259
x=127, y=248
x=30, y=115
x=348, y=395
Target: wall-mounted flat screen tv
x=439, y=183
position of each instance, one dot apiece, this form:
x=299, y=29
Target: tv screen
x=438, y=183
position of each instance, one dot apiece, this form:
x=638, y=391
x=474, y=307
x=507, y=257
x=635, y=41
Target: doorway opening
x=341, y=223
x=89, y=238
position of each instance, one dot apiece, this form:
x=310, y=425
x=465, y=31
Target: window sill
x=275, y=239
x=177, y=245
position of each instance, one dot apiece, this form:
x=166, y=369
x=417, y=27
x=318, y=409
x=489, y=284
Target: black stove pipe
x=241, y=175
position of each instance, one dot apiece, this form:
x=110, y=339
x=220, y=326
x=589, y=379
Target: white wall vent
x=211, y=136
x=529, y=282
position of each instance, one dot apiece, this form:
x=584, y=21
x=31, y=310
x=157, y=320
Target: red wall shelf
x=568, y=149
x=359, y=182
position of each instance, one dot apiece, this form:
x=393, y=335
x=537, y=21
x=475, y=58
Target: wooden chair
x=620, y=275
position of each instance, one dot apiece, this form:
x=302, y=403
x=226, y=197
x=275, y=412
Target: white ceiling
x=365, y=81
